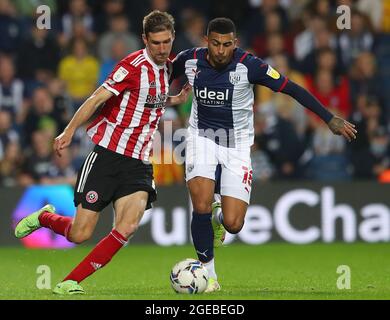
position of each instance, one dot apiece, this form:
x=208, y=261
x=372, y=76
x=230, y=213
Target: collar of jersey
x=149, y=59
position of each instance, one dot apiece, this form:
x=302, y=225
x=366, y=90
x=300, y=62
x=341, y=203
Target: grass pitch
x=271, y=271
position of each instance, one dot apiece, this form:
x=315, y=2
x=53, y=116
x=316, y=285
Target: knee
x=202, y=207
x=127, y=229
x=79, y=237
x=233, y=225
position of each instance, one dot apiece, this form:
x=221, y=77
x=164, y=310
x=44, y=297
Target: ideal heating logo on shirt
x=212, y=97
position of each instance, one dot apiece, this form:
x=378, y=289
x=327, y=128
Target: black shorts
x=106, y=176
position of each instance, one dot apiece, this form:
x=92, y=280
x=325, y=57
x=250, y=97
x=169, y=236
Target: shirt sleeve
x=178, y=64
x=262, y=73
x=123, y=77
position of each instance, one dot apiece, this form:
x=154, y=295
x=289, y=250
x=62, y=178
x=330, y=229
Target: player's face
x=221, y=47
x=159, y=45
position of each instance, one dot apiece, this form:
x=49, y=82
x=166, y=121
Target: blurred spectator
x=262, y=167
x=61, y=170
x=12, y=91
x=194, y=29
x=111, y=8
x=7, y=134
x=10, y=165
x=284, y=103
x=38, y=160
x=28, y=8
x=373, y=162
x=385, y=25
x=324, y=40
x=332, y=93
x=356, y=40
x=42, y=116
x=364, y=77
x=81, y=146
x=79, y=12
x=365, y=153
x=374, y=10
x=118, y=52
x=273, y=26
x=63, y=106
x=119, y=30
x=274, y=46
x=329, y=161
x=304, y=42
x=10, y=27
x=238, y=11
x=79, y=71
x=321, y=8
x=280, y=142
x=256, y=22
x=38, y=56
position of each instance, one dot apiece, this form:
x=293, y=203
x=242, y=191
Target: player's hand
x=62, y=141
x=184, y=93
x=342, y=127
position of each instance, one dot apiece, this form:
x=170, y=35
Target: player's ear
x=206, y=39
x=145, y=39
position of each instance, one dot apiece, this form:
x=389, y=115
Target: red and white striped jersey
x=129, y=119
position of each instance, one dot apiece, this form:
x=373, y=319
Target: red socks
x=98, y=257
x=59, y=224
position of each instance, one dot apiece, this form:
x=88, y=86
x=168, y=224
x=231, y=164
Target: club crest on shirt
x=120, y=74
x=273, y=73
x=234, y=77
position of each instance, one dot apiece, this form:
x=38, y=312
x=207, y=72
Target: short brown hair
x=157, y=21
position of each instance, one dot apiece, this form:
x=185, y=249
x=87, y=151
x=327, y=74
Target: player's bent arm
x=181, y=97
x=87, y=109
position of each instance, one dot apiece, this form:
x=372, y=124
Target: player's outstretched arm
x=83, y=114
x=336, y=124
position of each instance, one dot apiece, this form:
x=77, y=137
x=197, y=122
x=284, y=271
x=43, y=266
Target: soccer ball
x=189, y=276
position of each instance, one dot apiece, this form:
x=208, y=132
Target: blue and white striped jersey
x=223, y=99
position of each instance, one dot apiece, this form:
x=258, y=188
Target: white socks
x=218, y=218
x=211, y=269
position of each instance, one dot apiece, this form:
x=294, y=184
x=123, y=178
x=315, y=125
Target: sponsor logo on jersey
x=156, y=101
x=211, y=97
x=273, y=73
x=234, y=78
x=120, y=74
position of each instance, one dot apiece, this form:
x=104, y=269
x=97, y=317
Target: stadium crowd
x=46, y=74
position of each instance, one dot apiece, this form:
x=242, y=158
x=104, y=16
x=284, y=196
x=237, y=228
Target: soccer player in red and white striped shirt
x=117, y=170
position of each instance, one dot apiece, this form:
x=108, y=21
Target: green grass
x=271, y=271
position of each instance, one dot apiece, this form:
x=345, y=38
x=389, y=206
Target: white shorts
x=203, y=156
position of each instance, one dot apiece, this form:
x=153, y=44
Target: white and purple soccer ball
x=189, y=276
